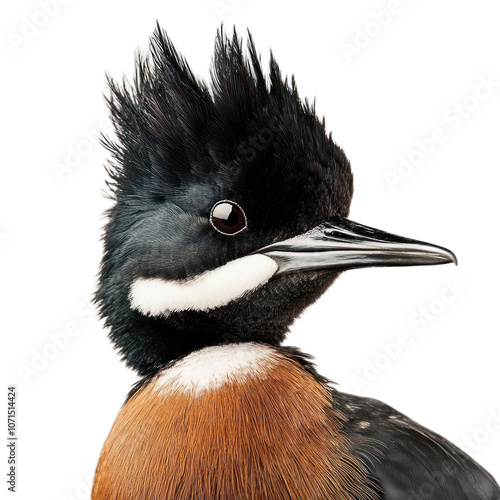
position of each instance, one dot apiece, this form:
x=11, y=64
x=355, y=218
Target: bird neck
x=150, y=343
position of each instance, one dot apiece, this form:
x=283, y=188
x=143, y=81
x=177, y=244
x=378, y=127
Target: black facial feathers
x=180, y=146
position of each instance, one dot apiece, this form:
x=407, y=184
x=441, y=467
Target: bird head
x=230, y=206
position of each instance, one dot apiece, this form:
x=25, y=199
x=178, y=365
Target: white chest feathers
x=213, y=367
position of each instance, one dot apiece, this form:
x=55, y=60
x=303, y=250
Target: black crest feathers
x=181, y=145
x=170, y=126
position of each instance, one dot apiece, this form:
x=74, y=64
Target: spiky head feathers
x=180, y=146
x=173, y=130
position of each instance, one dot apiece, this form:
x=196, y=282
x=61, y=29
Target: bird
x=230, y=218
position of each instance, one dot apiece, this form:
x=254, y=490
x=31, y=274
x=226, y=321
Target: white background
x=398, y=88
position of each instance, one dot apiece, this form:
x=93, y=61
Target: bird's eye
x=228, y=217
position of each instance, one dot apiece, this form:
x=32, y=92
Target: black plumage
x=181, y=145
x=410, y=461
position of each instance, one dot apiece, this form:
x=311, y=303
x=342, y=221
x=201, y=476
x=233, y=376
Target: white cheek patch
x=213, y=367
x=159, y=297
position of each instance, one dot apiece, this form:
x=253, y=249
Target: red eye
x=228, y=217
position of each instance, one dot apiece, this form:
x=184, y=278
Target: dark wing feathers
x=409, y=461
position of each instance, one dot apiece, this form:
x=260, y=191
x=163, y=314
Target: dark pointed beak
x=342, y=244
